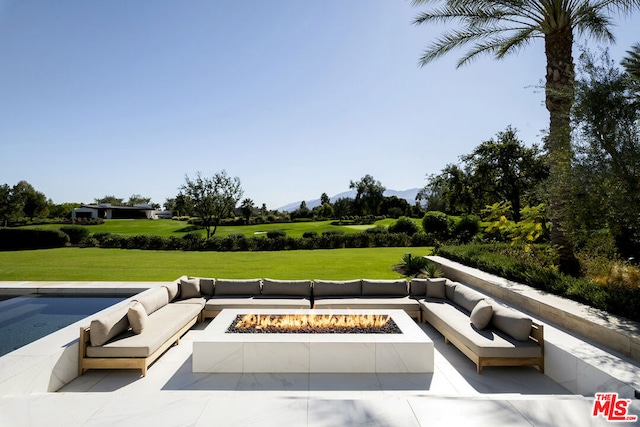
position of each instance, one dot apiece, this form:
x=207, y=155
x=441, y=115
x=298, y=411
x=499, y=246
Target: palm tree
x=631, y=64
x=499, y=28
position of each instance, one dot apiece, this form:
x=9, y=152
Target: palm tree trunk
x=559, y=92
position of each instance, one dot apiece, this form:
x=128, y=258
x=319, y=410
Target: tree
x=138, y=199
x=30, y=201
x=450, y=191
x=343, y=207
x=607, y=121
x=111, y=200
x=504, y=169
x=631, y=62
x=8, y=207
x=213, y=198
x=247, y=207
x=504, y=27
x=369, y=195
x=324, y=199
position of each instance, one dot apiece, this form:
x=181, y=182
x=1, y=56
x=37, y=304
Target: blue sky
x=294, y=97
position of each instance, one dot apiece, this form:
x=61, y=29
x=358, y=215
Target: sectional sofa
x=490, y=334
x=134, y=335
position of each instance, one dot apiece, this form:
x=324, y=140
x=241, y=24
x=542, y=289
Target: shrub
x=310, y=235
x=193, y=242
x=20, y=238
x=436, y=223
x=332, y=232
x=274, y=234
x=378, y=229
x=404, y=225
x=76, y=233
x=411, y=265
x=466, y=228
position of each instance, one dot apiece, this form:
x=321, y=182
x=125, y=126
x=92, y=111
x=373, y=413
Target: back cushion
x=190, y=288
x=230, y=287
x=110, y=325
x=206, y=286
x=466, y=297
x=154, y=300
x=511, y=322
x=449, y=289
x=331, y=288
x=436, y=289
x=391, y=288
x=291, y=288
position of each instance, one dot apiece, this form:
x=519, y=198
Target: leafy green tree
x=112, y=200
x=30, y=201
x=344, y=207
x=450, y=191
x=62, y=210
x=138, y=199
x=504, y=169
x=8, y=208
x=500, y=28
x=369, y=195
x=607, y=172
x=324, y=199
x=213, y=198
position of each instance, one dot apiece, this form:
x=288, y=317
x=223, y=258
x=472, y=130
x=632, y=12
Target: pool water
x=28, y=318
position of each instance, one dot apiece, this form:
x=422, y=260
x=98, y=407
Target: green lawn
x=166, y=227
x=94, y=264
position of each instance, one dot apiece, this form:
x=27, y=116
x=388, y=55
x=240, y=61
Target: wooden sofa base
x=537, y=333
x=141, y=363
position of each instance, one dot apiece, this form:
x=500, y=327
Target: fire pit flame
x=302, y=321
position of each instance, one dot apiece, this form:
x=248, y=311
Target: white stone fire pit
x=218, y=351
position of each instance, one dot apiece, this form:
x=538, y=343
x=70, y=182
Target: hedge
x=273, y=241
x=12, y=239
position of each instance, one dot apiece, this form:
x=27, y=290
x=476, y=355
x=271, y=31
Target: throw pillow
x=435, y=288
x=137, y=317
x=481, y=314
x=190, y=288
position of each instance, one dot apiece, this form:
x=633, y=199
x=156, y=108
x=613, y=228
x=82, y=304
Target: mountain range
x=408, y=195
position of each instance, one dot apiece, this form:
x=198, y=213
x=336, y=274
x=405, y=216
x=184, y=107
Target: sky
x=294, y=97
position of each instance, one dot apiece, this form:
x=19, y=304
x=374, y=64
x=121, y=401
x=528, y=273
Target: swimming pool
x=28, y=318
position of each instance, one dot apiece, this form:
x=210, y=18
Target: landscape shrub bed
x=536, y=269
x=275, y=240
x=23, y=238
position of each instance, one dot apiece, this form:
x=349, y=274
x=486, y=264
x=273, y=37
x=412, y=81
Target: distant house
x=106, y=211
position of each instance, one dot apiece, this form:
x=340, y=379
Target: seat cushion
x=221, y=303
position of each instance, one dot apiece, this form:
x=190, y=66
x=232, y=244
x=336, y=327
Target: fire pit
x=402, y=348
